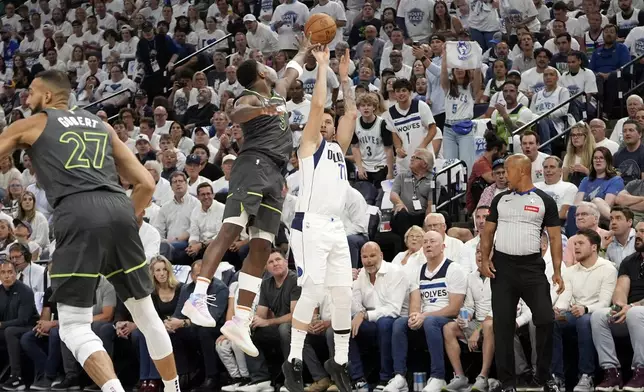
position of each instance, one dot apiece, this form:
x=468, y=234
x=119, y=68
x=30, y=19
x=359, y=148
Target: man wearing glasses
x=624, y=318
x=31, y=274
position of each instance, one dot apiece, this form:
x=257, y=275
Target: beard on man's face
x=639, y=245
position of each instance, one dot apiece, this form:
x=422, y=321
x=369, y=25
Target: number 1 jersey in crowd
x=73, y=155
x=323, y=181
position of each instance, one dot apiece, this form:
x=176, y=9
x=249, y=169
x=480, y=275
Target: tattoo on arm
x=349, y=99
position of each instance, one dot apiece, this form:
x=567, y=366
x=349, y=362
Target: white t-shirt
x=609, y=144
x=544, y=101
x=519, y=10
x=584, y=81
x=309, y=77
x=572, y=27
x=205, y=38
x=290, y=14
x=483, y=16
x=562, y=192
x=299, y=114
x=454, y=282
x=554, y=49
x=498, y=98
x=532, y=81
x=418, y=17
x=459, y=108
x=537, y=167
x=583, y=22
x=94, y=39
x=617, y=136
x=635, y=41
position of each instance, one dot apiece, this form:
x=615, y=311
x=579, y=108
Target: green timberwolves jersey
x=73, y=155
x=269, y=135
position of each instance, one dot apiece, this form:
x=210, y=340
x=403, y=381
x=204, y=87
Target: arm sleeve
x=456, y=280
x=387, y=138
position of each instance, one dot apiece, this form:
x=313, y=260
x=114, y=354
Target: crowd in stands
x=133, y=63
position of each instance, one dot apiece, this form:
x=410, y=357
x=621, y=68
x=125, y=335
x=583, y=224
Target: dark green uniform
x=256, y=180
x=94, y=224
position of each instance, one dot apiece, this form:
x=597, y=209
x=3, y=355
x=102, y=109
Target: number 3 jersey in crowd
x=411, y=127
x=73, y=155
x=372, y=140
x=435, y=286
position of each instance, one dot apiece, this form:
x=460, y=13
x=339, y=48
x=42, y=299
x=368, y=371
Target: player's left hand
x=321, y=54
x=304, y=43
x=558, y=280
x=343, y=67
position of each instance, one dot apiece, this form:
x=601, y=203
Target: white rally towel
x=464, y=55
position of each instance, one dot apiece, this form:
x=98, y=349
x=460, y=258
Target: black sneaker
x=42, y=383
x=381, y=386
x=339, y=374
x=70, y=383
x=529, y=384
x=14, y=383
x=92, y=388
x=293, y=375
x=551, y=386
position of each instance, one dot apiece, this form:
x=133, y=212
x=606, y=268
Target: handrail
x=183, y=60
x=106, y=98
x=113, y=117
x=208, y=68
x=562, y=134
x=621, y=95
x=542, y=116
x=623, y=67
x=450, y=167
x=452, y=198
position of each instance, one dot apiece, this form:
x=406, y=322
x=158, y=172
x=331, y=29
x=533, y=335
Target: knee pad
x=147, y=320
x=311, y=297
x=75, y=330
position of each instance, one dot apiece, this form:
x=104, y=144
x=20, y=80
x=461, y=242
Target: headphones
x=22, y=248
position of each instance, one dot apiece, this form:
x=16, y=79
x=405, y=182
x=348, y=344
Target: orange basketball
x=320, y=28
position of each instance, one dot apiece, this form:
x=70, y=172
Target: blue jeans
x=147, y=368
x=584, y=342
x=433, y=328
x=461, y=147
x=483, y=38
x=45, y=363
x=546, y=129
x=381, y=332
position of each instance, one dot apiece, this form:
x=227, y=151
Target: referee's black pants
x=521, y=277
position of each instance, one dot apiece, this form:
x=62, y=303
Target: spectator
x=27, y=212
x=165, y=143
x=356, y=223
x=624, y=319
x=605, y=61
x=115, y=84
x=412, y=259
x=144, y=151
x=378, y=296
x=205, y=221
x=199, y=114
x=371, y=38
x=631, y=197
x=586, y=217
x=444, y=23
x=551, y=96
x=577, y=79
x=589, y=287
x=467, y=258
x=476, y=330
x=431, y=311
x=627, y=19
x=180, y=138
x=500, y=183
x=629, y=160
x=633, y=104
x=530, y=147
x=510, y=111
x=18, y=316
x=579, y=154
x=532, y=81
x=602, y=184
x=207, y=169
x=481, y=173
x=561, y=191
x=411, y=194
x=169, y=161
x=623, y=242
x=278, y=294
x=23, y=232
x=163, y=189
x=193, y=167
x=156, y=61
x=526, y=58
x=221, y=184
x=28, y=174
x=29, y=273
x=356, y=34
x=452, y=246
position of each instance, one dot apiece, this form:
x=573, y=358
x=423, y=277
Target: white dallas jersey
x=323, y=181
x=371, y=145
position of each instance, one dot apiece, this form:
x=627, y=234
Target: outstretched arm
x=347, y=123
x=311, y=133
x=14, y=136
x=133, y=171
x=292, y=73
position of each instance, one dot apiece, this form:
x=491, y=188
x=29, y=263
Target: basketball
x=320, y=28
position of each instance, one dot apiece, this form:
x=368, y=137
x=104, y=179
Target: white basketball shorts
x=320, y=249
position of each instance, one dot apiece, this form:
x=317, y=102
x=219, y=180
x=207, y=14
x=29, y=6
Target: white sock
x=202, y=285
x=297, y=344
x=242, y=313
x=171, y=385
x=341, y=341
x=113, y=385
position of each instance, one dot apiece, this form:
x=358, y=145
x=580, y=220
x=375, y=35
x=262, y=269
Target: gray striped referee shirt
x=520, y=219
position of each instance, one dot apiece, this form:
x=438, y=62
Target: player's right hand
x=487, y=269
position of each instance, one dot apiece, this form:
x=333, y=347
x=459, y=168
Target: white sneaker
x=231, y=387
x=238, y=333
x=397, y=384
x=434, y=385
x=196, y=309
x=262, y=386
x=283, y=389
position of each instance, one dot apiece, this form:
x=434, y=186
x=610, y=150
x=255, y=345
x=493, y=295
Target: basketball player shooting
x=77, y=159
x=318, y=238
x=255, y=193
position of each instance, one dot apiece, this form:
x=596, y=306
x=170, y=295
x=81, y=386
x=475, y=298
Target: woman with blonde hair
x=579, y=154
x=27, y=213
x=165, y=298
x=6, y=235
x=12, y=198
x=411, y=259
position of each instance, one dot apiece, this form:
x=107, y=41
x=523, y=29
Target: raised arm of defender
x=347, y=124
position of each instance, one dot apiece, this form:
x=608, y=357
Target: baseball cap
x=514, y=72
x=126, y=27
x=140, y=93
x=143, y=137
x=229, y=157
x=250, y=18
x=498, y=162
x=437, y=37
x=18, y=222
x=147, y=26
x=496, y=38
x=193, y=159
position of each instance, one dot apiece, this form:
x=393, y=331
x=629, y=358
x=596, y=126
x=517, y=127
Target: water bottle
x=464, y=315
x=419, y=381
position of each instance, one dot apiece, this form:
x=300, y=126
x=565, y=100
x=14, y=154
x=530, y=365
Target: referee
x=517, y=217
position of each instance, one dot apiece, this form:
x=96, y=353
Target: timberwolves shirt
x=435, y=286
